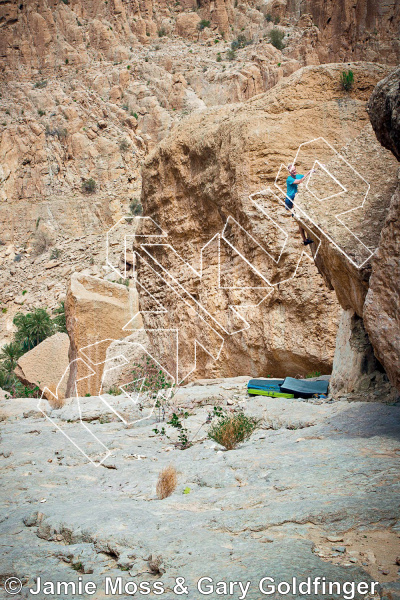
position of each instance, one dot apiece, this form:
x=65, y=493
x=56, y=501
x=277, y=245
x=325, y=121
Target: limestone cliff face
x=352, y=30
x=381, y=309
x=91, y=87
x=197, y=184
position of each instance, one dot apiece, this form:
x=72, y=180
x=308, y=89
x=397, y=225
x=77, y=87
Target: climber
x=292, y=182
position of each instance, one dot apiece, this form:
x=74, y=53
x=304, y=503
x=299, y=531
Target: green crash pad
x=271, y=393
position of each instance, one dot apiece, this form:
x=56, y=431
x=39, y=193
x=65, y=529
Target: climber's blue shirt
x=291, y=188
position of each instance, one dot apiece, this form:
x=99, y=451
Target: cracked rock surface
x=310, y=474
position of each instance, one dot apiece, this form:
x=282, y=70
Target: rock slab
x=45, y=365
x=96, y=312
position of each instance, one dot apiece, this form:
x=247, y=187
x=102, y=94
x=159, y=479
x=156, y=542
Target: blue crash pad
x=304, y=388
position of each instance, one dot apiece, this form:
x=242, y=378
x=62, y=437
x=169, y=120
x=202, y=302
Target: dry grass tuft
x=167, y=482
x=51, y=396
x=232, y=429
x=41, y=243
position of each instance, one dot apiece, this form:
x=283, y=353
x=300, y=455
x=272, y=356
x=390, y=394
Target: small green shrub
x=219, y=58
x=40, y=84
x=232, y=429
x=347, y=80
x=148, y=378
x=41, y=112
x=89, y=186
x=203, y=24
x=135, y=207
x=231, y=54
x=124, y=145
x=268, y=17
x=41, y=242
x=123, y=281
x=59, y=132
x=277, y=20
x=114, y=391
x=66, y=61
x=183, y=432
x=55, y=253
x=240, y=42
x=314, y=374
x=276, y=38
x=162, y=32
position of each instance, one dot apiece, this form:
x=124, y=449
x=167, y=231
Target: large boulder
x=45, y=366
x=382, y=304
x=96, y=312
x=384, y=112
x=197, y=187
x=357, y=374
x=187, y=25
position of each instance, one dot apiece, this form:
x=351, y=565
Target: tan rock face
x=356, y=372
x=96, y=312
x=197, y=185
x=381, y=309
x=46, y=366
x=187, y=25
x=361, y=30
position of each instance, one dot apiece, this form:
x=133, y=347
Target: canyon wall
x=352, y=30
x=91, y=87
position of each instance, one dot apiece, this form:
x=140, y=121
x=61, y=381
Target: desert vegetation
x=347, y=80
x=232, y=429
x=32, y=328
x=167, y=482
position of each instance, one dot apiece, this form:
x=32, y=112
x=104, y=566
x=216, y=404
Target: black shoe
x=308, y=241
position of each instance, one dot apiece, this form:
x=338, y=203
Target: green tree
x=276, y=38
x=33, y=328
x=59, y=320
x=4, y=379
x=10, y=354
